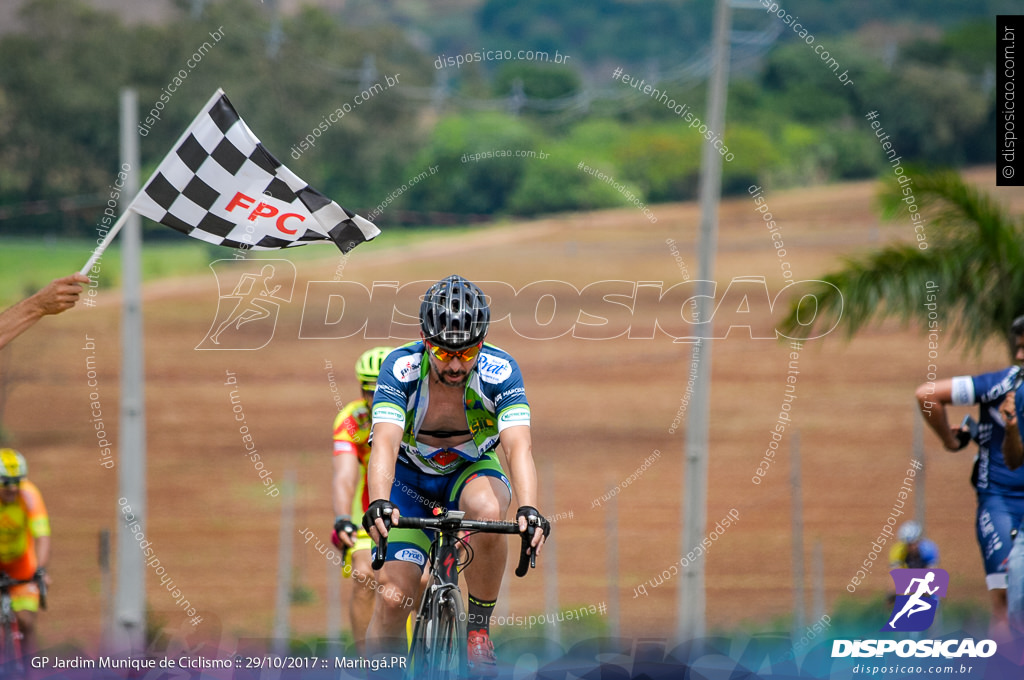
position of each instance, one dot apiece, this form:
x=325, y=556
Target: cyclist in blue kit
x=999, y=487
x=442, y=406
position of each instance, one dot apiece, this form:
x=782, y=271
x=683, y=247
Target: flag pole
x=106, y=241
x=130, y=599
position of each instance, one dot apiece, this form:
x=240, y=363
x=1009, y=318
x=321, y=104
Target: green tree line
x=790, y=121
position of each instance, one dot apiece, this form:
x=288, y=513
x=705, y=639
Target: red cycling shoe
x=482, y=663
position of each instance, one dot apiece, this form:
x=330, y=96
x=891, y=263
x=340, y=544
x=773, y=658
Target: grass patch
x=26, y=265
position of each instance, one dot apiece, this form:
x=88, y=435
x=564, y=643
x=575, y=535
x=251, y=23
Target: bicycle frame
x=444, y=561
x=439, y=645
x=11, y=652
x=439, y=637
x=443, y=582
x=10, y=655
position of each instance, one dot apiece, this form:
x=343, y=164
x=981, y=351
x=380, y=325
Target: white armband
x=963, y=390
x=514, y=415
x=388, y=413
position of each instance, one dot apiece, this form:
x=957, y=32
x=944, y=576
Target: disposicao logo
x=914, y=611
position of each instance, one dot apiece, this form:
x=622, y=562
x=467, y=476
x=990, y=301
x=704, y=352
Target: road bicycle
x=11, y=660
x=438, y=647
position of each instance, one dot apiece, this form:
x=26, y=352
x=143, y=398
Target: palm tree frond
x=970, y=261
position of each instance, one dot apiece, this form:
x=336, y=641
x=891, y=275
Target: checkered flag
x=220, y=185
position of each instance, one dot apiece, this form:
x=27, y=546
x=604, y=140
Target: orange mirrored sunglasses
x=463, y=355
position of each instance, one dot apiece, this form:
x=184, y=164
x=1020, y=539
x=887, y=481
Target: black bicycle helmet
x=1017, y=328
x=454, y=314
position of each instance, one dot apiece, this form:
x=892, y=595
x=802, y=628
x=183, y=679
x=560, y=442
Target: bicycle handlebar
x=6, y=582
x=382, y=553
x=526, y=560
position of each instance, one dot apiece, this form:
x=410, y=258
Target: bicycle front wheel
x=450, y=652
x=10, y=657
x=439, y=645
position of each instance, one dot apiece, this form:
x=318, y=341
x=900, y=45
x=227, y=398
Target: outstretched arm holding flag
x=58, y=296
x=220, y=185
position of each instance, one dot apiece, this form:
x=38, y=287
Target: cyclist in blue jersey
x=1000, y=489
x=442, y=406
x=1013, y=450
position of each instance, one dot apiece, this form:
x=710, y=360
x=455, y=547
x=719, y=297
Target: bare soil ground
x=601, y=407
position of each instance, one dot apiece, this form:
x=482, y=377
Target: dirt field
x=601, y=407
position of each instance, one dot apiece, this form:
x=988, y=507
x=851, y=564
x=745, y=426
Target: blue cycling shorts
x=997, y=516
x=416, y=494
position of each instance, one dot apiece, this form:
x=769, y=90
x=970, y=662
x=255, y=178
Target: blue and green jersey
x=494, y=399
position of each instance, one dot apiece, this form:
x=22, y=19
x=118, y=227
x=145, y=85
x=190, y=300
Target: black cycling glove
x=533, y=519
x=380, y=508
x=345, y=525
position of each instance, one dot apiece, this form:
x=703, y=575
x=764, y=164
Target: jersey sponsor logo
x=390, y=390
x=444, y=458
x=989, y=535
x=342, y=446
x=410, y=555
x=492, y=369
x=1002, y=387
x=509, y=393
x=388, y=413
x=431, y=467
x=480, y=423
x=516, y=414
x=963, y=391
x=407, y=369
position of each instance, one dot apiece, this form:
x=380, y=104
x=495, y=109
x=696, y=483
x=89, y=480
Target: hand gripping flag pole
x=220, y=185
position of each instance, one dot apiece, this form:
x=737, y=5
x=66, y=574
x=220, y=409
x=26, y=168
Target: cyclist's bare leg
x=361, y=608
x=396, y=597
x=486, y=498
x=999, y=625
x=27, y=626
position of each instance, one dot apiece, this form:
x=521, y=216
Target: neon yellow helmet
x=368, y=365
x=13, y=464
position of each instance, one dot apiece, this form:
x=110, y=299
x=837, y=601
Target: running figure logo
x=247, y=316
x=915, y=609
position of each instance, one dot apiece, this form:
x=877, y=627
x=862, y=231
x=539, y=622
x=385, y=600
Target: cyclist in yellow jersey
x=349, y=493
x=24, y=541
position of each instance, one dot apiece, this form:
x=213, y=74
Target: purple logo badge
x=921, y=589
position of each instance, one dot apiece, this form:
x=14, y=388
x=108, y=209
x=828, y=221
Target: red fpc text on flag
x=263, y=210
